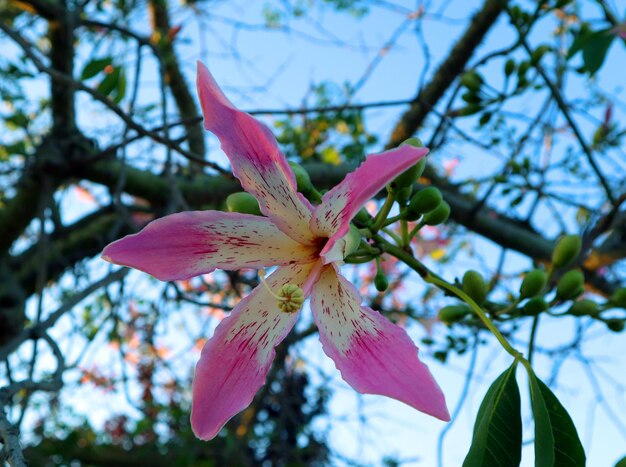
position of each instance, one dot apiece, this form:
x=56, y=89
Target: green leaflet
x=93, y=67
x=497, y=439
x=556, y=440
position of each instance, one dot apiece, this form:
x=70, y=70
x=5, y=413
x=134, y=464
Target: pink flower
x=307, y=244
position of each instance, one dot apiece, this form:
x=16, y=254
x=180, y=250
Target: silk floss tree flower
x=308, y=244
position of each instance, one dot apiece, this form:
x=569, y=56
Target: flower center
x=290, y=297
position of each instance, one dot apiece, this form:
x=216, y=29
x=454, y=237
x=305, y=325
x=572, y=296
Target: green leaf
x=110, y=82
x=120, y=88
x=497, y=439
x=93, y=67
x=556, y=440
x=595, y=49
x=621, y=462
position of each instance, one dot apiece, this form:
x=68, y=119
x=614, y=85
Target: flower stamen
x=290, y=297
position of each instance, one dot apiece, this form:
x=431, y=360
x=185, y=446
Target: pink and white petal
x=235, y=361
x=256, y=160
x=374, y=355
x=191, y=243
x=332, y=217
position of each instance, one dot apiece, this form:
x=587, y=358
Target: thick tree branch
x=447, y=72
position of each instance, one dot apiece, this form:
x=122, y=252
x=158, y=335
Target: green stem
x=381, y=217
x=434, y=279
x=404, y=225
x=533, y=334
x=416, y=229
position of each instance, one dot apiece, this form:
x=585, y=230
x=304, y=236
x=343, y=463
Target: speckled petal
x=374, y=355
x=256, y=160
x=332, y=217
x=236, y=360
x=190, y=243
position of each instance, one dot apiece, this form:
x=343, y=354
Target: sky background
x=260, y=69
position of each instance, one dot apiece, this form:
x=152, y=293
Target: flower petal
x=332, y=217
x=256, y=160
x=190, y=243
x=374, y=355
x=236, y=360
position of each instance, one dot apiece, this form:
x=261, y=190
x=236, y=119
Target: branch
x=447, y=72
x=10, y=437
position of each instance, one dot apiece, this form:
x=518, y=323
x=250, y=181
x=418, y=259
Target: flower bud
x=425, y=200
x=352, y=240
x=534, y=306
x=439, y=215
x=381, y=282
x=410, y=175
x=571, y=285
x=363, y=217
x=566, y=250
x=243, y=202
x=509, y=67
x=615, y=325
x=472, y=80
x=533, y=283
x=303, y=180
x=403, y=194
x=474, y=286
x=453, y=313
x=584, y=307
x=619, y=297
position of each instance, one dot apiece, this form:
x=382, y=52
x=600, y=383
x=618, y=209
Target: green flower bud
x=583, y=307
x=469, y=109
x=474, y=286
x=303, y=180
x=472, y=80
x=538, y=53
x=439, y=215
x=453, y=313
x=533, y=283
x=534, y=306
x=509, y=67
x=403, y=194
x=363, y=217
x=615, y=325
x=408, y=177
x=352, y=239
x=566, y=250
x=413, y=141
x=570, y=285
x=381, y=282
x=619, y=297
x=243, y=202
x=425, y=200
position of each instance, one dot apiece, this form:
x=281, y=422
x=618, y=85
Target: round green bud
x=534, y=306
x=403, y=194
x=474, y=286
x=533, y=283
x=363, y=217
x=469, y=109
x=472, y=80
x=615, y=325
x=509, y=67
x=352, y=239
x=566, y=250
x=425, y=200
x=619, y=297
x=243, y=202
x=303, y=180
x=408, y=177
x=381, y=282
x=584, y=307
x=439, y=215
x=453, y=313
x=413, y=141
x=570, y=285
